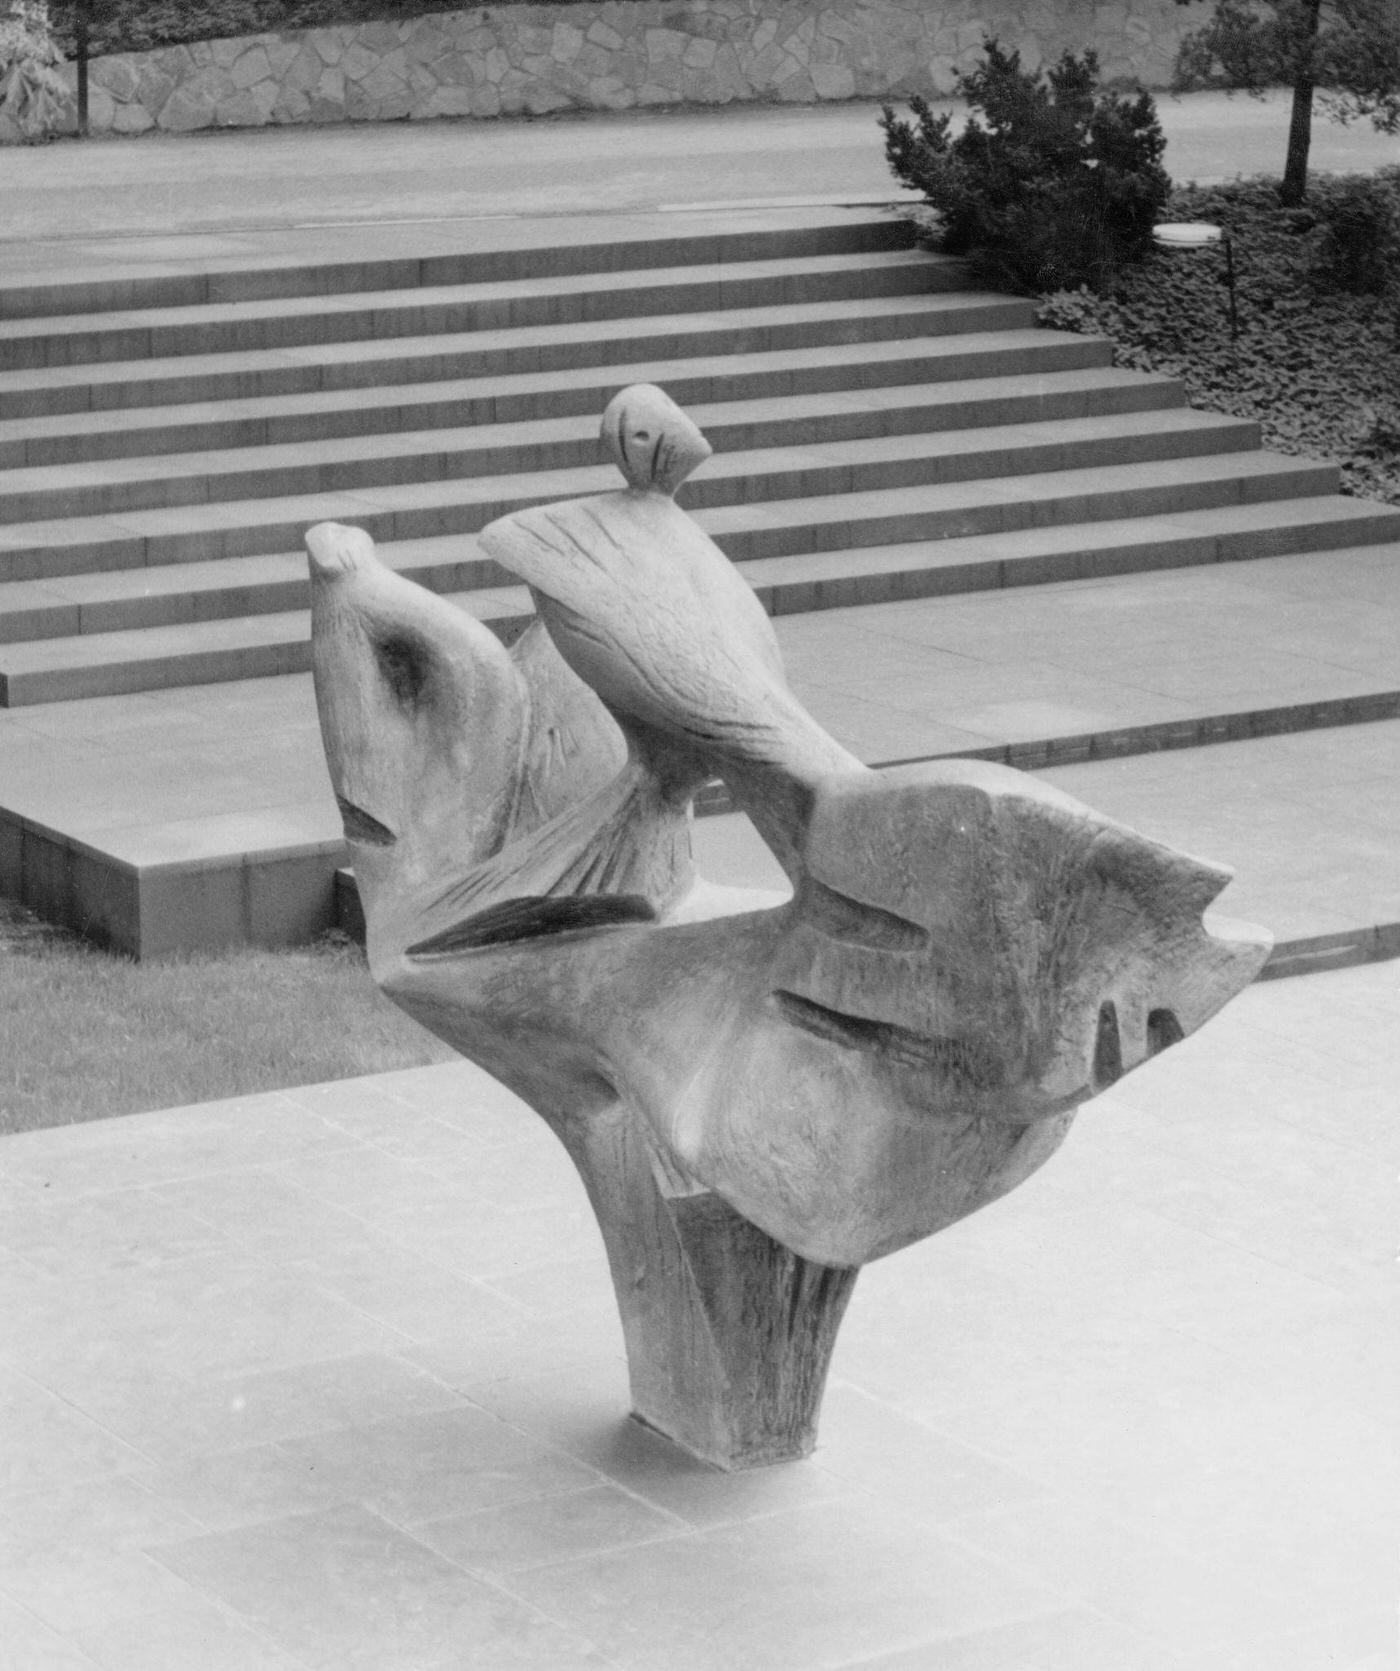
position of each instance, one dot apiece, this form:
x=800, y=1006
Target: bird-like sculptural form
x=651, y=614
x=761, y=1093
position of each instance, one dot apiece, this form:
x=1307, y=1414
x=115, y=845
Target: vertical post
x=81, y=21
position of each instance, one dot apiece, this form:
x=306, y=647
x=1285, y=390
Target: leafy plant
x=34, y=98
x=1317, y=362
x=1052, y=181
x=1359, y=246
x=141, y=25
x=1348, y=51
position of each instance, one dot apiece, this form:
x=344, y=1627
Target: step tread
x=814, y=229
x=600, y=478
x=931, y=308
x=484, y=294
x=279, y=569
x=827, y=508
x=447, y=444
x=1022, y=546
x=546, y=486
x=292, y=626
x=269, y=410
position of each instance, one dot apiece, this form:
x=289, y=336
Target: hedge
x=139, y=25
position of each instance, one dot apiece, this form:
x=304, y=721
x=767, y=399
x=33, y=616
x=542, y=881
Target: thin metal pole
x=1230, y=281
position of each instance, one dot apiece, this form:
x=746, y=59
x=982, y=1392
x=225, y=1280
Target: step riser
x=474, y=267
x=348, y=476
x=173, y=609
x=311, y=376
x=789, y=597
x=799, y=596
x=744, y=545
x=421, y=522
x=262, y=661
x=767, y=487
x=971, y=412
x=507, y=313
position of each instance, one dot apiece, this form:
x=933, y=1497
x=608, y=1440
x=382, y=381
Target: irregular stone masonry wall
x=612, y=55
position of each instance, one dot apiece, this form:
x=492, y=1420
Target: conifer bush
x=1052, y=183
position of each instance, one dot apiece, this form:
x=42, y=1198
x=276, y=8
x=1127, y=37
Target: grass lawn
x=84, y=1034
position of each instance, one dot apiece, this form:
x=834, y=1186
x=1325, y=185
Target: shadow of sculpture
x=761, y=1092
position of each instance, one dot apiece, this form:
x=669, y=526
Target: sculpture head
x=441, y=742
x=652, y=442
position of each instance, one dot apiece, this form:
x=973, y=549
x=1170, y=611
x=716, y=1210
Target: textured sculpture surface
x=761, y=1093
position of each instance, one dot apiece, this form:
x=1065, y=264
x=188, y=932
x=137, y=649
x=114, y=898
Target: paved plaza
x=332, y=1380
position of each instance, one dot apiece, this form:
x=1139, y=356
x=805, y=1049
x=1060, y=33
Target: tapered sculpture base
x=729, y=1334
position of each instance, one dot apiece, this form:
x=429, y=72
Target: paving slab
x=332, y=1377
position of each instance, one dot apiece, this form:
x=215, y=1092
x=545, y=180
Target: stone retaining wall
x=612, y=55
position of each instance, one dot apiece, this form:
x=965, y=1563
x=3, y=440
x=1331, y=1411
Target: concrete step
x=161, y=852
x=811, y=232
x=859, y=375
x=269, y=646
x=232, y=327
x=766, y=504
x=245, y=618
x=171, y=595
x=1038, y=555
x=882, y=435
x=124, y=384
x=776, y=447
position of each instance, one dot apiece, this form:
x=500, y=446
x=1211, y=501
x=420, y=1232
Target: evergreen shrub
x=1052, y=182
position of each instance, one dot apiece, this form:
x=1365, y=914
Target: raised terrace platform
x=978, y=537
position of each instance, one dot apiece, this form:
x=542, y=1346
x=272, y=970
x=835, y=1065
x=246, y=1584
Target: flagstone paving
x=332, y=1378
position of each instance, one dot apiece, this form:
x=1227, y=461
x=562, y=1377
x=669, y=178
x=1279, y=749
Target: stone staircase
x=880, y=433
x=872, y=420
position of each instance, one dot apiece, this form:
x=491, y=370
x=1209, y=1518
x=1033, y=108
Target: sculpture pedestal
x=729, y=1334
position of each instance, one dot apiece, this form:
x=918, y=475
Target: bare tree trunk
x=1295, y=170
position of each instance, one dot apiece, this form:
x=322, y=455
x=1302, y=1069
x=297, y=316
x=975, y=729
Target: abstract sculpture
x=761, y=1093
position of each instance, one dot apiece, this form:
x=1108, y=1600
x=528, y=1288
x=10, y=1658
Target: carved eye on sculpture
x=404, y=664
x=652, y=442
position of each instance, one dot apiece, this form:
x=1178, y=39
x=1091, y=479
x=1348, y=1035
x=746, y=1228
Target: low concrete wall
x=614, y=55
